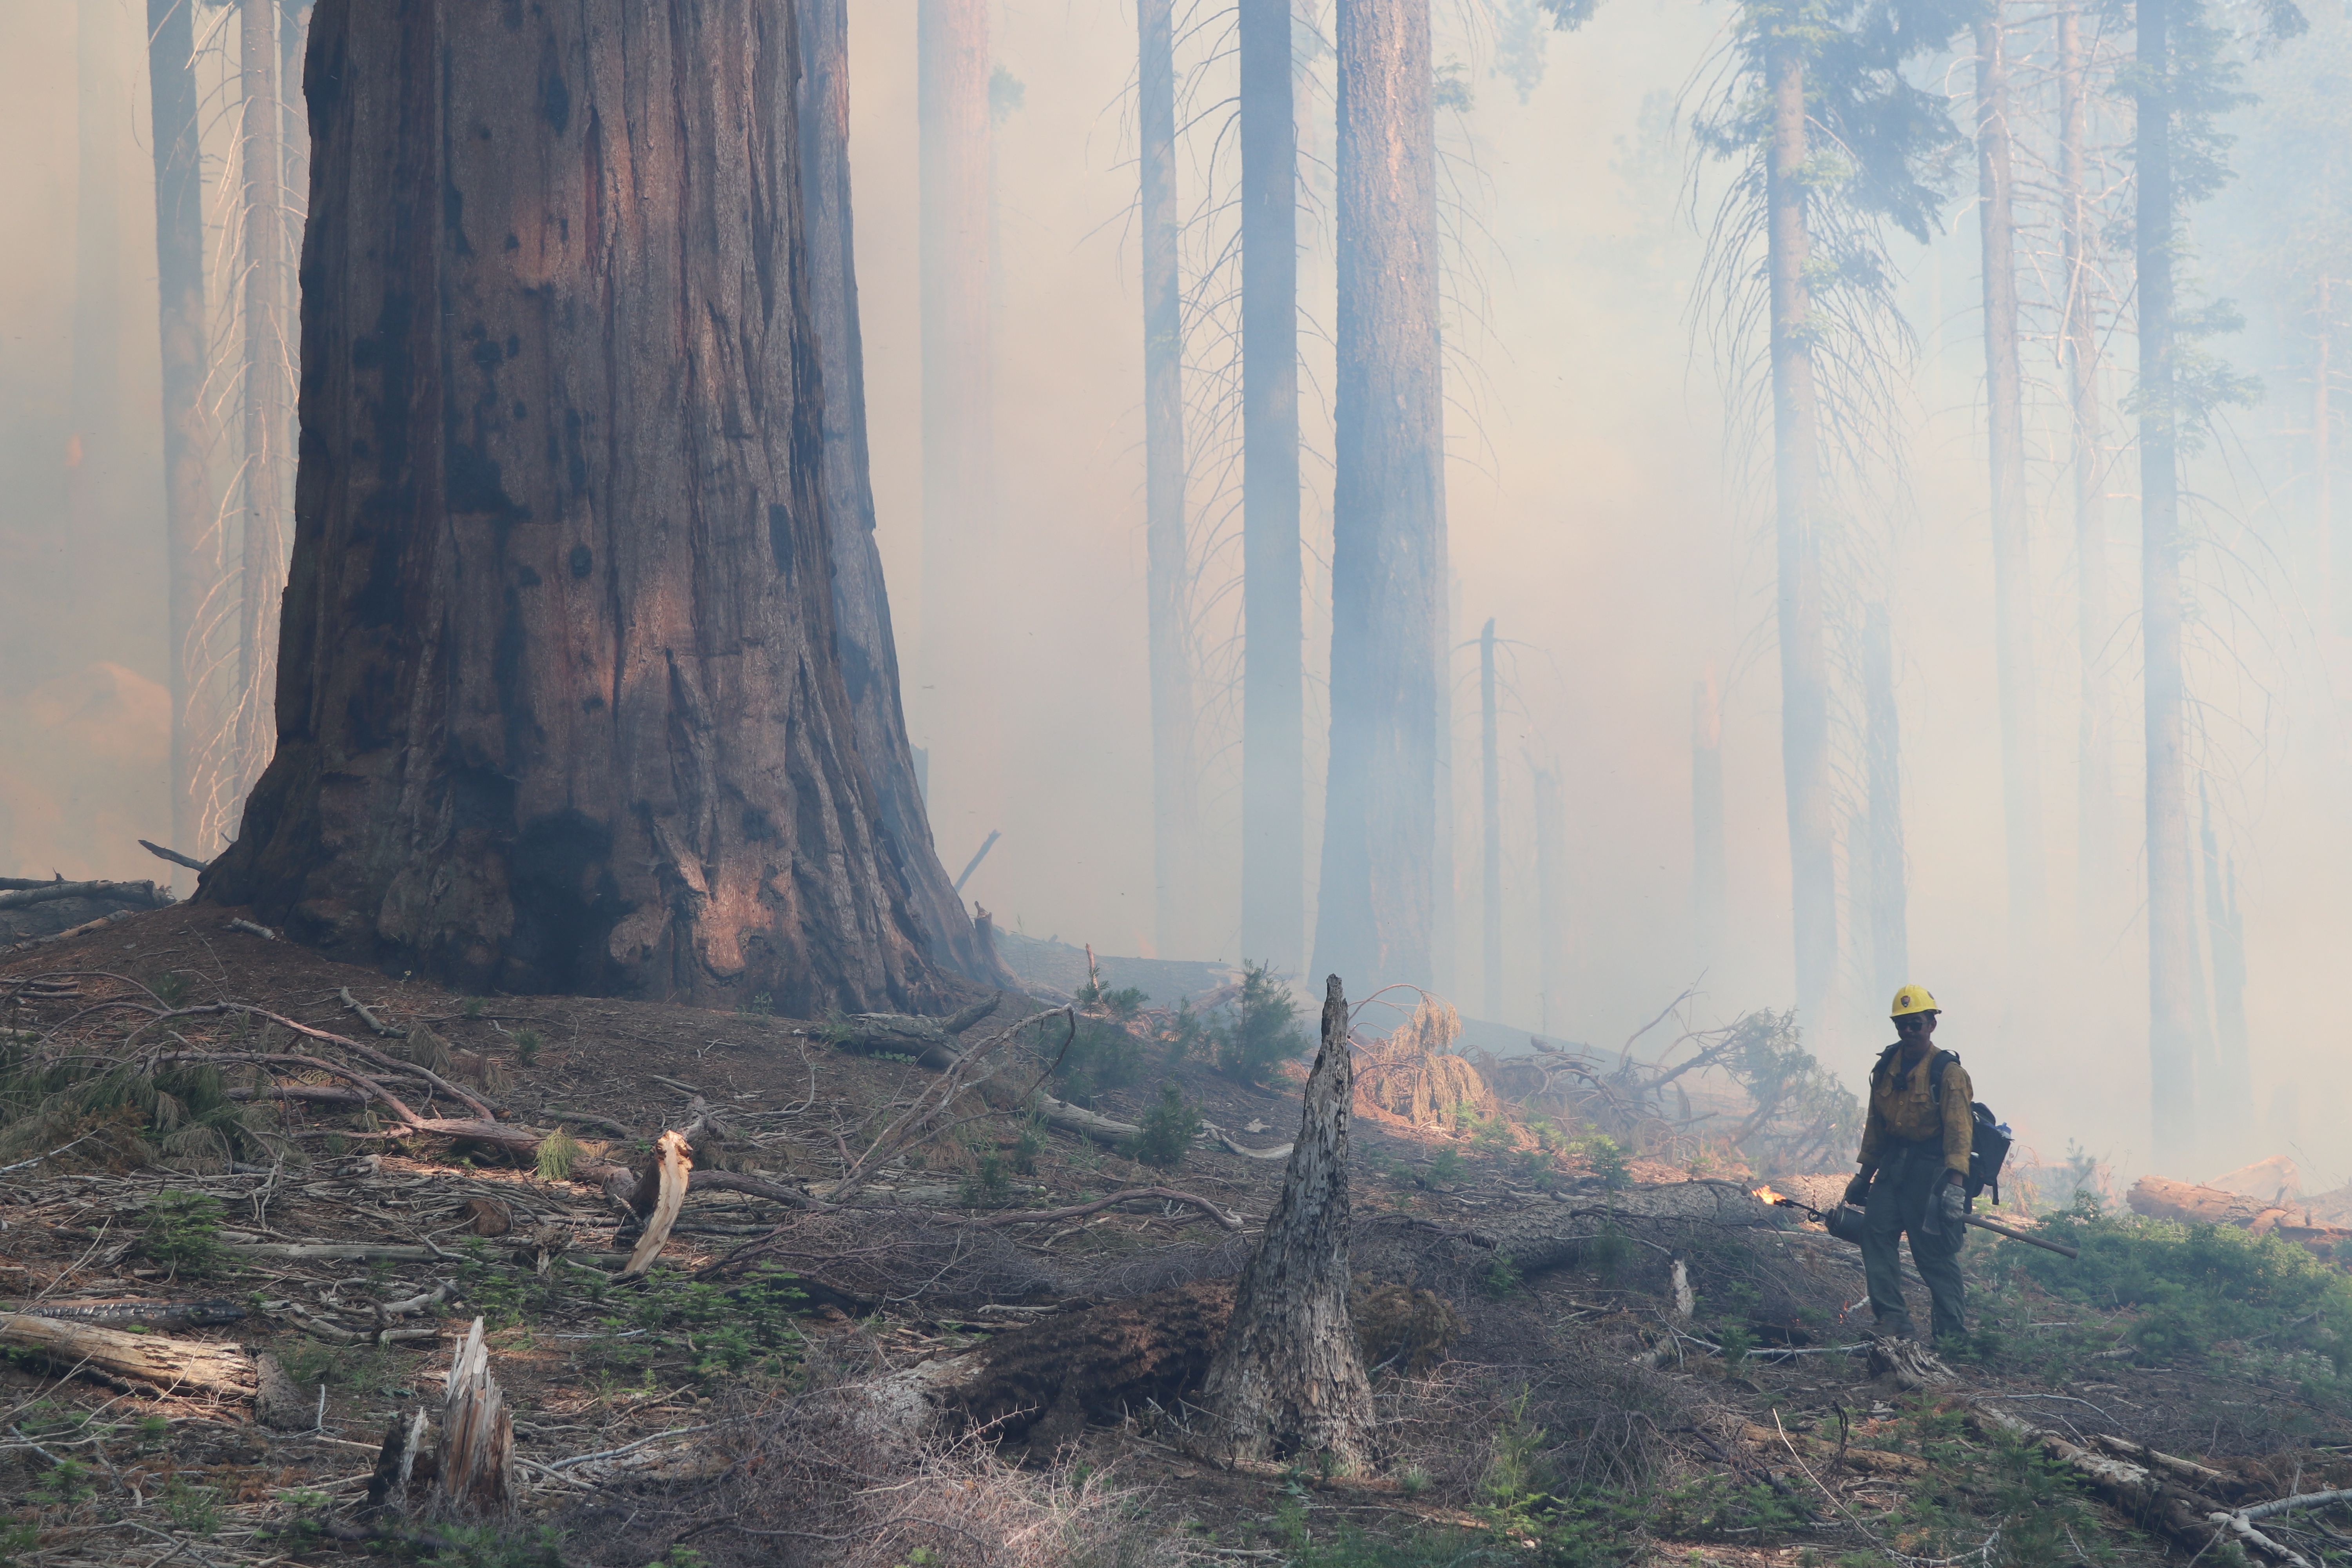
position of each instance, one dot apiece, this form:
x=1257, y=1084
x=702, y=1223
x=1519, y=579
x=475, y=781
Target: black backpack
x=1988, y=1144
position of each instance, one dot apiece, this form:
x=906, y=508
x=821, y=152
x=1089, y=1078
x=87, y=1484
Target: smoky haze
x=1608, y=503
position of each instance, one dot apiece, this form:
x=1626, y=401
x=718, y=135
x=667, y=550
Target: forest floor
x=1576, y=1415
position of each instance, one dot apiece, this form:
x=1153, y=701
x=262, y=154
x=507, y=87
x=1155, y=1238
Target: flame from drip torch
x=1770, y=1196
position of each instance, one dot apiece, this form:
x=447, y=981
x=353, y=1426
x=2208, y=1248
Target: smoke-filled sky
x=1606, y=507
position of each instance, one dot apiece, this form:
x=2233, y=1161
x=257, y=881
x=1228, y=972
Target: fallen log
x=139, y=893
x=2189, y=1518
x=152, y=1362
x=930, y=1041
x=2156, y=1198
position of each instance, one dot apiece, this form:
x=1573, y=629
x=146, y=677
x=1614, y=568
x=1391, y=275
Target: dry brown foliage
x=1415, y=1074
x=827, y=1479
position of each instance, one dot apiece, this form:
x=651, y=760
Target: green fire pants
x=1899, y=1194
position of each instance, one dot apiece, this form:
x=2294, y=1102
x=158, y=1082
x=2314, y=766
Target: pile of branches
x=831, y=1475
x=1795, y=1114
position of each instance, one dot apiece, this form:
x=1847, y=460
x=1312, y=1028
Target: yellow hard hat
x=1914, y=999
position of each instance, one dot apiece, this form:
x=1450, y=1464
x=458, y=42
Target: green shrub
x=556, y=1155
x=1263, y=1030
x=181, y=1230
x=1165, y=1132
x=1103, y=1052
x=988, y=1187
x=1608, y=1162
x=2195, y=1287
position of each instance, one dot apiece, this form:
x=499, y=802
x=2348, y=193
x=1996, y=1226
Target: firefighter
x=1914, y=1167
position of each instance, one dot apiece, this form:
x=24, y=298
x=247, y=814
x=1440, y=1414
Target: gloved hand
x=1955, y=1201
x=1857, y=1191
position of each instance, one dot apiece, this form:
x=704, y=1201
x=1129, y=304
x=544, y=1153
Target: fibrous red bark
x=559, y=705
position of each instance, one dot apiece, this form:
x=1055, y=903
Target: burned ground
x=724, y=1404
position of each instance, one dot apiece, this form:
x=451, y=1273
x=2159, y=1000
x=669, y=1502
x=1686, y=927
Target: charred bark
x=1387, y=548
x=187, y=481
x=1273, y=721
x=863, y=634
x=561, y=705
x=1288, y=1378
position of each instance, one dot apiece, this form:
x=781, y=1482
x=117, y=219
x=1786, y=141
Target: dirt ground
x=590, y=1365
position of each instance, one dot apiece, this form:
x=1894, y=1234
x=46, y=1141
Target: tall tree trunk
x=2231, y=1101
x=1552, y=907
x=2021, y=759
x=1490, y=819
x=268, y=349
x=560, y=704
x=863, y=636
x=96, y=464
x=1388, y=506
x=1708, y=877
x=1287, y=1380
x=1890, y=936
x=2095, y=779
x=1274, y=719
x=2171, y=927
x=1175, y=851
x=1804, y=644
x=190, y=567
x=957, y=713
x=1444, y=937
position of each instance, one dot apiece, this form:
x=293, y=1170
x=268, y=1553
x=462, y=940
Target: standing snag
x=1288, y=1379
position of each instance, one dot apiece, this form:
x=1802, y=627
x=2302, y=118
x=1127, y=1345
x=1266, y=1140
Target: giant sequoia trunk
x=863, y=636
x=560, y=705
x=187, y=481
x=2094, y=786
x=2173, y=1023
x=1174, y=848
x=1287, y=1380
x=1388, y=505
x=1796, y=473
x=1274, y=722
x=2005, y=425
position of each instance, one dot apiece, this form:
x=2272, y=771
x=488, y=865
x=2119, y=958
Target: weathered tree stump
x=1287, y=1378
x=476, y=1474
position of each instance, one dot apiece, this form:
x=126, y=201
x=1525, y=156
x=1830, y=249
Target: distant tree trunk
x=560, y=706
x=1804, y=648
x=2336, y=543
x=268, y=349
x=2021, y=760
x=1490, y=801
x=96, y=465
x=1890, y=937
x=2094, y=787
x=1287, y=1380
x=1551, y=909
x=190, y=567
x=2172, y=926
x=1707, y=862
x=2230, y=1093
x=863, y=634
x=1274, y=719
x=1444, y=938
x=1387, y=548
x=1175, y=851
x=957, y=713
